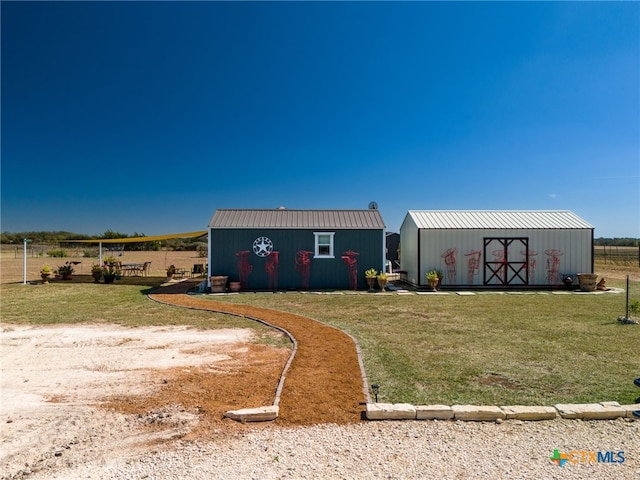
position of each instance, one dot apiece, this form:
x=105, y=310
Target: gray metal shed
x=492, y=248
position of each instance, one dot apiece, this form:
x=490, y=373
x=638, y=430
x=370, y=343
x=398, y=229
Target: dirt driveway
x=72, y=392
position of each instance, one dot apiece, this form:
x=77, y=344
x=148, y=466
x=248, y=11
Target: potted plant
x=382, y=280
x=218, y=283
x=371, y=275
x=171, y=270
x=432, y=278
x=110, y=272
x=45, y=273
x=65, y=271
x=96, y=272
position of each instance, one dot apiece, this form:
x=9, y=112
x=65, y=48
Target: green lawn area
x=530, y=349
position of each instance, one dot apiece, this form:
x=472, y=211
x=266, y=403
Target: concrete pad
x=434, y=412
x=522, y=412
x=260, y=414
x=590, y=411
x=478, y=413
x=390, y=411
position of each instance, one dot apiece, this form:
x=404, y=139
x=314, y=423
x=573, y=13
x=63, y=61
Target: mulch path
x=323, y=383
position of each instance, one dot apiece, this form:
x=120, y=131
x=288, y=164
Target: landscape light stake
x=627, y=312
x=375, y=388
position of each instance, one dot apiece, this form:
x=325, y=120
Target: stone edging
x=479, y=413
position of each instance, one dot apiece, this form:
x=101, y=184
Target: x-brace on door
x=506, y=260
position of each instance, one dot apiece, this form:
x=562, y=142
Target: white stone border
x=480, y=413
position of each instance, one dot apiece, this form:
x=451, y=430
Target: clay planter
x=45, y=277
x=587, y=281
x=234, y=286
x=371, y=281
x=433, y=283
x=218, y=283
x=382, y=282
x=96, y=276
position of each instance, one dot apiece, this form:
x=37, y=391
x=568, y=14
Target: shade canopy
x=142, y=239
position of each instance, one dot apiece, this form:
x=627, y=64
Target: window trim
x=317, y=244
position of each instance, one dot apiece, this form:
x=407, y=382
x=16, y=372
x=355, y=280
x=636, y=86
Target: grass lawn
x=121, y=304
x=537, y=349
x=491, y=349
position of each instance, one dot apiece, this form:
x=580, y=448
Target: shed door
x=506, y=260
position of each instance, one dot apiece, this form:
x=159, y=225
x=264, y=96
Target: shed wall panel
x=409, y=249
x=324, y=272
x=554, y=253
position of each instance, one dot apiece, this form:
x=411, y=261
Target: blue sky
x=146, y=117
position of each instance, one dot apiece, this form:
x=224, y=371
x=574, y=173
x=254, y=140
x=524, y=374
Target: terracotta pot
x=382, y=282
x=433, y=283
x=96, y=276
x=587, y=281
x=45, y=277
x=218, y=283
x=234, y=286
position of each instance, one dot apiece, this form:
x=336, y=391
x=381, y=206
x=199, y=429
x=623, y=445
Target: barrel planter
x=587, y=281
x=218, y=283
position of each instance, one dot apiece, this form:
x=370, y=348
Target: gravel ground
x=402, y=450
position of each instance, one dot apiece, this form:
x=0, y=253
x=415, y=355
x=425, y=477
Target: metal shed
x=495, y=248
x=296, y=249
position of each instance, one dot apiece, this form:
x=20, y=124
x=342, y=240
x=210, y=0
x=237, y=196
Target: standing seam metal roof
x=285, y=218
x=497, y=219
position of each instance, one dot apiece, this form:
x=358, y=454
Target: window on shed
x=324, y=244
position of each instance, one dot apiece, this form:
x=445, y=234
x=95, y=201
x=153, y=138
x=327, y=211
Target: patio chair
x=197, y=270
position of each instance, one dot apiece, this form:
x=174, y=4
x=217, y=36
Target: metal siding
x=575, y=245
x=293, y=219
x=496, y=219
x=325, y=273
x=409, y=249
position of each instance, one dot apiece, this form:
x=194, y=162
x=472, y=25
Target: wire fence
x=614, y=255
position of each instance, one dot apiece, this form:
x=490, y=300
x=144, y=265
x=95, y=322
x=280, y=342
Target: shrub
x=57, y=253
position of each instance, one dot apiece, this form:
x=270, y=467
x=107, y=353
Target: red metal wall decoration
x=473, y=264
x=553, y=266
x=532, y=264
x=303, y=265
x=244, y=268
x=450, y=261
x=350, y=259
x=272, y=270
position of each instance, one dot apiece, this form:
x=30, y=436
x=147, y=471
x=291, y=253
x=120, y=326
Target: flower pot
x=433, y=283
x=218, y=283
x=45, y=277
x=587, y=281
x=371, y=281
x=96, y=276
x=382, y=282
x=109, y=278
x=234, y=286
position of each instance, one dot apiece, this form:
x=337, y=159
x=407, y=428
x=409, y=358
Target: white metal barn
x=495, y=248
